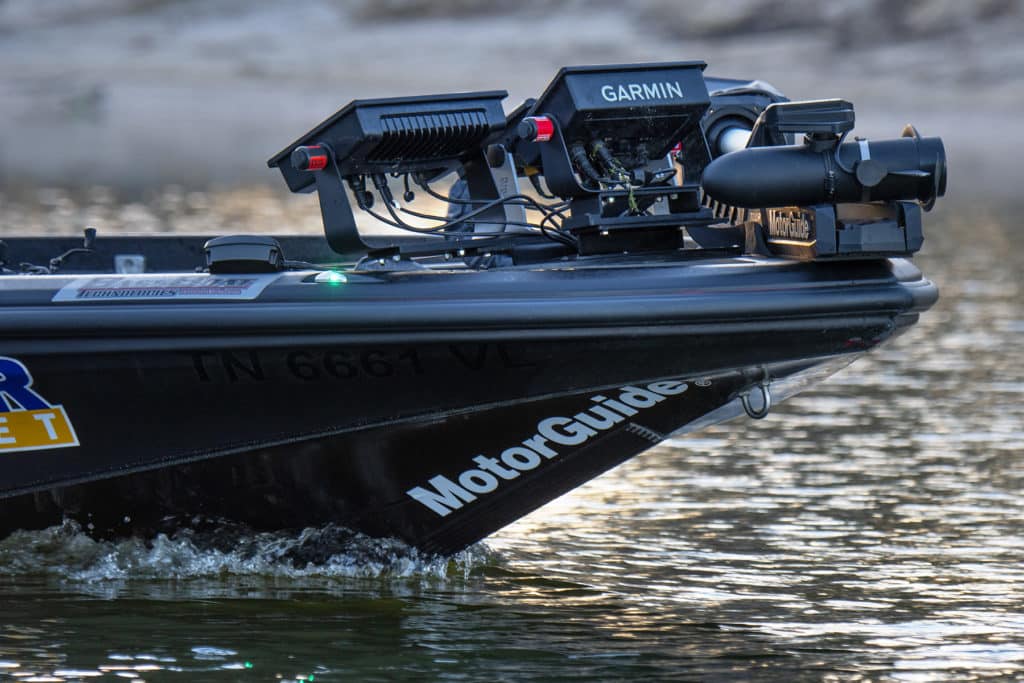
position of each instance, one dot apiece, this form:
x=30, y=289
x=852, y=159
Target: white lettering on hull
x=443, y=495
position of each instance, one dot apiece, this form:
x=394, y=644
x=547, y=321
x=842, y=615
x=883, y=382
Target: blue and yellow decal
x=28, y=422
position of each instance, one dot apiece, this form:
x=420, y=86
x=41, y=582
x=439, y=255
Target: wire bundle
x=552, y=214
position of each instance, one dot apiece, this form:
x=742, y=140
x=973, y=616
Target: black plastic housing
x=429, y=132
x=797, y=175
x=243, y=254
x=640, y=110
x=812, y=117
x=735, y=104
x=843, y=232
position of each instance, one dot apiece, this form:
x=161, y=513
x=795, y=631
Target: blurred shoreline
x=140, y=94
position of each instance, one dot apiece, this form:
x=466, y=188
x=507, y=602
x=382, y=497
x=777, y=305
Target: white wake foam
x=332, y=551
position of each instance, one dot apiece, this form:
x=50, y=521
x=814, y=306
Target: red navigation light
x=537, y=128
x=311, y=158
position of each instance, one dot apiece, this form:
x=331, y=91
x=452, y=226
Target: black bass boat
x=677, y=258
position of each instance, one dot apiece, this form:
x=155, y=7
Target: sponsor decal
x=554, y=436
x=789, y=224
x=28, y=422
x=161, y=287
x=639, y=92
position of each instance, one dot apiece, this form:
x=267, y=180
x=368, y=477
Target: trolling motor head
x=822, y=169
x=824, y=197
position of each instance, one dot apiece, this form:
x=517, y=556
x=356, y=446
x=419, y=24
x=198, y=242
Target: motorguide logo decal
x=161, y=287
x=28, y=422
x=790, y=224
x=554, y=435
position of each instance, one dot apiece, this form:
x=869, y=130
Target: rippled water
x=869, y=529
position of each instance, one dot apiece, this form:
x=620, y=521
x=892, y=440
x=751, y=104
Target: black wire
x=543, y=229
x=550, y=212
x=401, y=225
x=557, y=235
x=561, y=237
x=535, y=181
x=526, y=205
x=362, y=205
x=487, y=205
x=839, y=162
x=437, y=195
x=385, y=194
x=462, y=235
x=417, y=214
x=526, y=201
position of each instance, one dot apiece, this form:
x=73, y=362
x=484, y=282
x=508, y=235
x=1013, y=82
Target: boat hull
x=439, y=483
x=368, y=405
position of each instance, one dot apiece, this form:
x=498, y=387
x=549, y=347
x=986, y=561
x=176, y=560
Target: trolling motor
x=825, y=198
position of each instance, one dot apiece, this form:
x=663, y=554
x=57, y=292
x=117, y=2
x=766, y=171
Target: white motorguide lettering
x=442, y=494
x=788, y=224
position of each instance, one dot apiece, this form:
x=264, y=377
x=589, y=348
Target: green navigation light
x=331, y=277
